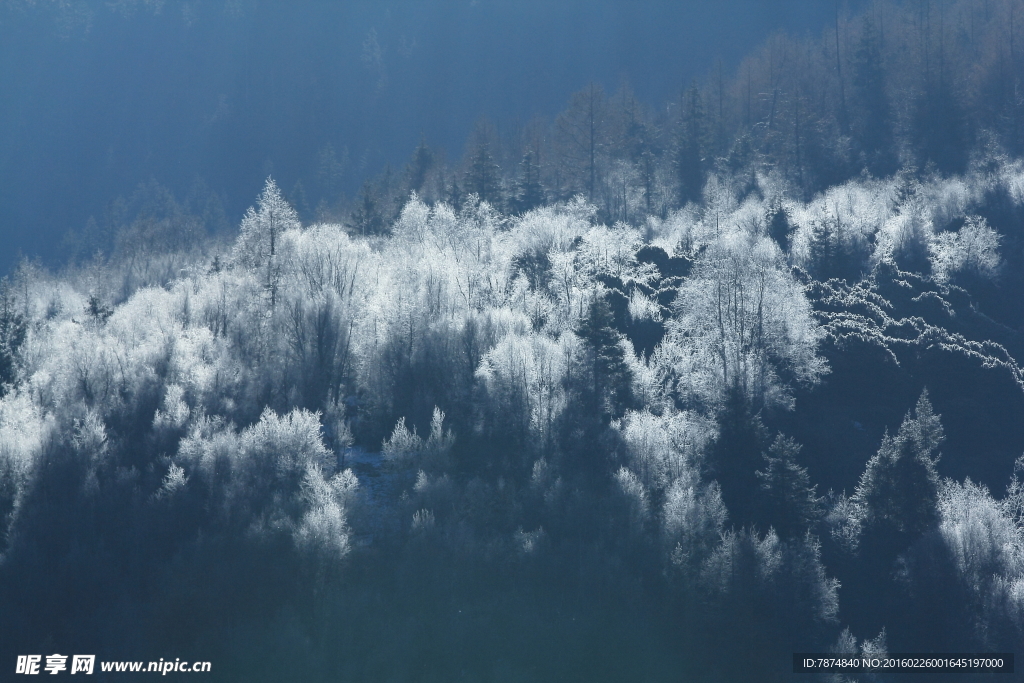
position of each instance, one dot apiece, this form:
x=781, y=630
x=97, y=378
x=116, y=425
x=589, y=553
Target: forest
x=635, y=393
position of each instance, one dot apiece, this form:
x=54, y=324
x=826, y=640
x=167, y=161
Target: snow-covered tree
x=972, y=250
x=742, y=322
x=259, y=239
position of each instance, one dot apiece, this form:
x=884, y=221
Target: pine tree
x=482, y=176
x=609, y=378
x=420, y=165
x=824, y=250
x=368, y=219
x=259, y=238
x=791, y=503
x=98, y=310
x=898, y=491
x=736, y=455
x=600, y=390
x=529, y=191
x=779, y=227
x=582, y=140
x=691, y=147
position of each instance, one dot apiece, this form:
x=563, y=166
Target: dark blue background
x=93, y=103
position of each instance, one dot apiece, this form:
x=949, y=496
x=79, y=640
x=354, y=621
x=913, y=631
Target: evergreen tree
x=262, y=225
x=898, y=491
x=824, y=250
x=600, y=390
x=608, y=389
x=691, y=147
x=330, y=172
x=791, y=503
x=779, y=227
x=297, y=198
x=647, y=166
x=451, y=192
x=482, y=176
x=529, y=191
x=259, y=238
x=368, y=219
x=98, y=310
x=419, y=166
x=735, y=457
x=582, y=140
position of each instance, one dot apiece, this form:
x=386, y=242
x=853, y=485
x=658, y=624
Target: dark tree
x=583, y=139
x=536, y=266
x=419, y=166
x=825, y=250
x=872, y=126
x=607, y=383
x=330, y=173
x=898, y=491
x=600, y=390
x=98, y=310
x=791, y=503
x=368, y=218
x=779, y=227
x=298, y=199
x=529, y=191
x=483, y=175
x=691, y=147
x=736, y=455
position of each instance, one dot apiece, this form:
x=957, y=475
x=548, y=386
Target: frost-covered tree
x=771, y=593
x=274, y=476
x=663, y=448
x=693, y=518
x=24, y=431
x=742, y=323
x=972, y=250
x=524, y=377
x=259, y=240
x=13, y=329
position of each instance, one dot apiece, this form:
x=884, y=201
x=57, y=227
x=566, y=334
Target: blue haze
x=228, y=92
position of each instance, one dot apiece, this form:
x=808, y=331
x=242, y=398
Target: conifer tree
x=582, y=138
x=899, y=489
x=779, y=227
x=368, y=219
x=691, y=147
x=259, y=239
x=529, y=191
x=421, y=164
x=824, y=250
x=608, y=377
x=736, y=454
x=482, y=176
x=791, y=502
